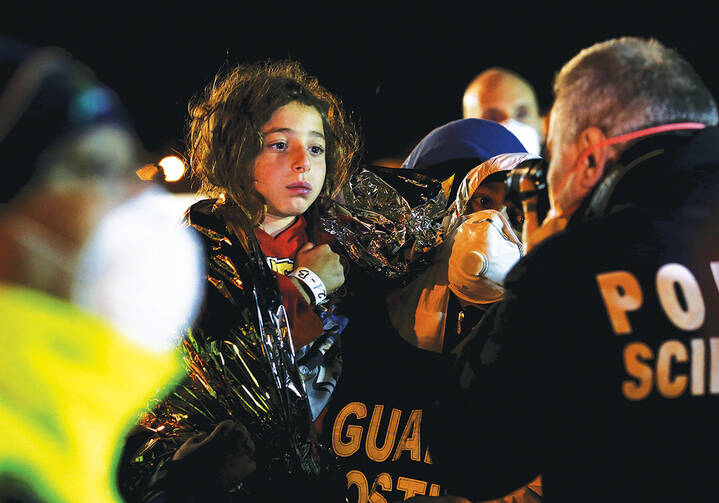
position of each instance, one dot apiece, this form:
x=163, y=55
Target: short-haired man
x=600, y=369
x=501, y=95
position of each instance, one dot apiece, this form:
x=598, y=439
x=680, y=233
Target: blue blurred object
x=458, y=146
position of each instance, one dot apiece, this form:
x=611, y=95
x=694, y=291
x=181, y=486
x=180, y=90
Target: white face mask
x=139, y=269
x=484, y=249
x=142, y=271
x=526, y=134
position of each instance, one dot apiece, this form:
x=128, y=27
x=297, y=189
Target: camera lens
x=535, y=171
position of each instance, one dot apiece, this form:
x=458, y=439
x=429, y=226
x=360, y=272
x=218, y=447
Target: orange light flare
x=147, y=172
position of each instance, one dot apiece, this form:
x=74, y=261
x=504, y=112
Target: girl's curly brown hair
x=224, y=129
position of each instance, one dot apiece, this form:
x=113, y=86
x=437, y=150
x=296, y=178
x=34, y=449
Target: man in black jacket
x=600, y=369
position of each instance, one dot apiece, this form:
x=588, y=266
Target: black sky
x=400, y=70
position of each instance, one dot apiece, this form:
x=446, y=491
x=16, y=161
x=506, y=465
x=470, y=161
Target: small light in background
x=173, y=167
x=147, y=172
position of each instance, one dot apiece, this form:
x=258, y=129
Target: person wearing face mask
x=481, y=244
x=606, y=334
x=265, y=140
x=85, y=343
x=394, y=359
x=501, y=95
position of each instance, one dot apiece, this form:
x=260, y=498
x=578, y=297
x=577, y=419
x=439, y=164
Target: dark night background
x=400, y=70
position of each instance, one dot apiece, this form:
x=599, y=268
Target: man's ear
x=593, y=165
x=545, y=126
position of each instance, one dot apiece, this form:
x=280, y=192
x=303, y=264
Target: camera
x=534, y=171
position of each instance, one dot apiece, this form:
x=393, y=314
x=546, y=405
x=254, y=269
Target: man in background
x=501, y=95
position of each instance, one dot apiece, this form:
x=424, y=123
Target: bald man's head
x=498, y=94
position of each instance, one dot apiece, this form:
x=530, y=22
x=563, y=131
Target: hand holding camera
x=527, y=186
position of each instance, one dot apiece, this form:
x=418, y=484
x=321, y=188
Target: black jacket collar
x=662, y=174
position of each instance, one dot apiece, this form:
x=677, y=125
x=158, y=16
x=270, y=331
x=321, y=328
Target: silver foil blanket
x=387, y=220
x=240, y=365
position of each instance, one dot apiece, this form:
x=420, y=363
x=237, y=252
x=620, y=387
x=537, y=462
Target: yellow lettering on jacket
x=714, y=366
x=411, y=487
x=680, y=296
x=657, y=367
x=698, y=363
x=410, y=438
x=427, y=457
x=433, y=490
x=374, y=452
x=621, y=293
x=383, y=481
x=380, y=440
x=634, y=355
x=353, y=432
x=640, y=363
x=671, y=386
x=356, y=478
x=714, y=268
x=347, y=438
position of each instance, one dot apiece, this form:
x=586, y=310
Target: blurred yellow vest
x=70, y=389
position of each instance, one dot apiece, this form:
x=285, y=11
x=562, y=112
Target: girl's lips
x=300, y=187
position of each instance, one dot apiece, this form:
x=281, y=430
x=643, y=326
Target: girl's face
x=493, y=196
x=290, y=169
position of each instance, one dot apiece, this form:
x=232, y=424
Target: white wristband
x=316, y=288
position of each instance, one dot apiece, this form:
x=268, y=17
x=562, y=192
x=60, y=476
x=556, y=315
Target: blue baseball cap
x=458, y=146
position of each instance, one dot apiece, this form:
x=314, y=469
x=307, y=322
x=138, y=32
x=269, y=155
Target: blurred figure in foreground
x=86, y=334
x=501, y=95
x=607, y=333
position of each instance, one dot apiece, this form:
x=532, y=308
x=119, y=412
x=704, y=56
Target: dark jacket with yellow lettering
x=374, y=420
x=600, y=369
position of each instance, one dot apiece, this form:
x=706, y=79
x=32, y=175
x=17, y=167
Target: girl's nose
x=301, y=161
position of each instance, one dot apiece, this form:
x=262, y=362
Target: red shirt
x=281, y=251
